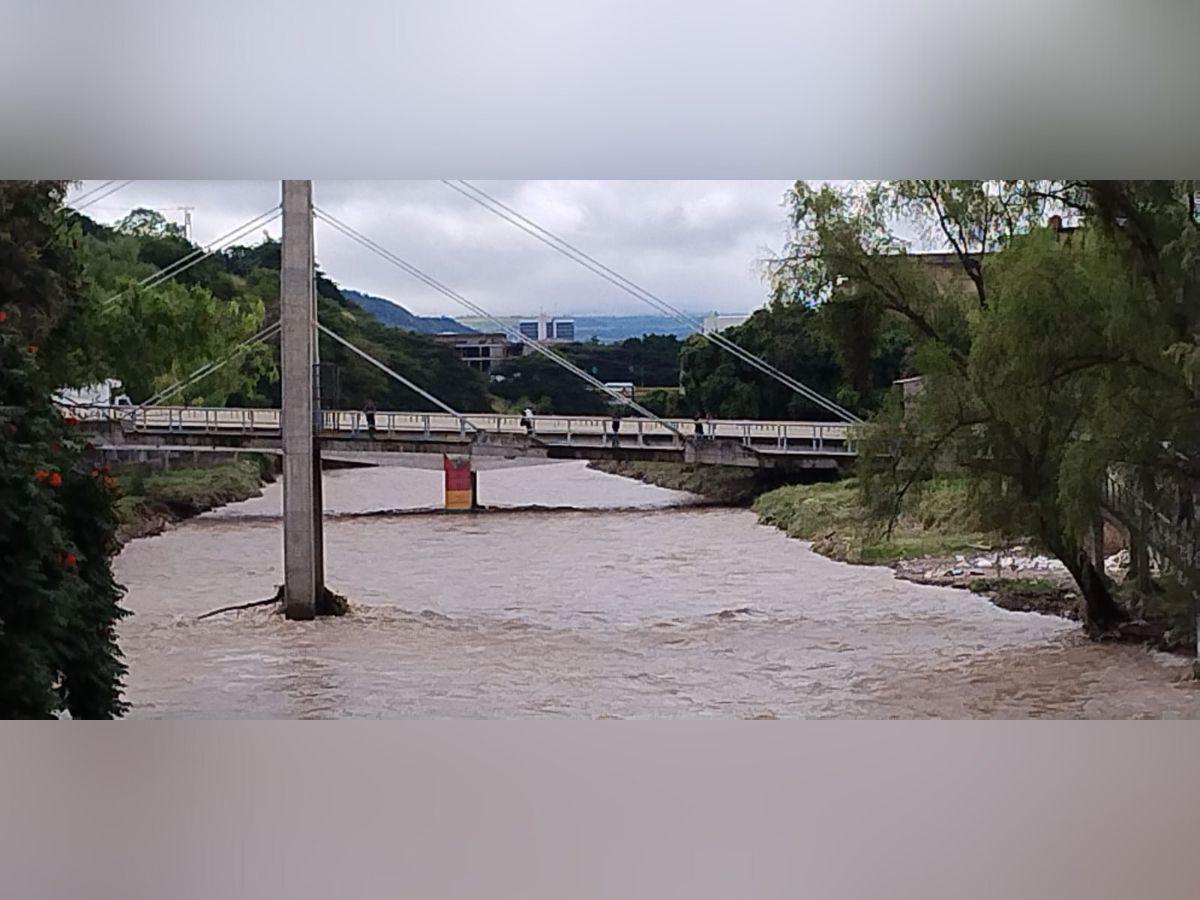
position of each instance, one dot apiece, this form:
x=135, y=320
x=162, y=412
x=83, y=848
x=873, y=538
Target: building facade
x=481, y=350
x=548, y=329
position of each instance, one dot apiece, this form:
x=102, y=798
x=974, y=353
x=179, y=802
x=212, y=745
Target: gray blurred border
x=615, y=89
x=599, y=809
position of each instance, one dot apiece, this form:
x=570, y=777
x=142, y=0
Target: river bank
x=939, y=542
x=727, y=485
x=153, y=500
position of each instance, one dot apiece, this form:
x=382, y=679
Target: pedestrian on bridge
x=527, y=420
x=616, y=429
x=699, y=426
x=369, y=412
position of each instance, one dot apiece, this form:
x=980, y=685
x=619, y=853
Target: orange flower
x=33, y=348
x=55, y=479
x=40, y=474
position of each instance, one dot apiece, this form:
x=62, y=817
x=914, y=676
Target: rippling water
x=632, y=604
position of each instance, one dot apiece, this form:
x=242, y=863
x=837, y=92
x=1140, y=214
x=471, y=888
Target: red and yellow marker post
x=460, y=482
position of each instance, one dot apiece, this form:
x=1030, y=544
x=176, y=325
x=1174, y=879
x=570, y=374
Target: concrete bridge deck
x=762, y=444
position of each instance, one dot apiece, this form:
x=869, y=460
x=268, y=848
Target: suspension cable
x=560, y=245
x=96, y=199
x=197, y=255
x=396, y=375
x=208, y=368
x=483, y=313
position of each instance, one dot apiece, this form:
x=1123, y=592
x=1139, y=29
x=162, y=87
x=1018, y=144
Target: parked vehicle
x=106, y=393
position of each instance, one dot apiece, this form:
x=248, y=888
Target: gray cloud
x=694, y=243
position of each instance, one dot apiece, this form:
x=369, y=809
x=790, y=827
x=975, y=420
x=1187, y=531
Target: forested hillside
x=208, y=309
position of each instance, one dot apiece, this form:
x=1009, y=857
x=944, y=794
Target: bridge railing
x=784, y=436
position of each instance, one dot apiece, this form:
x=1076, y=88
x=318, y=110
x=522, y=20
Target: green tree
x=543, y=384
x=794, y=337
x=1042, y=364
x=59, y=602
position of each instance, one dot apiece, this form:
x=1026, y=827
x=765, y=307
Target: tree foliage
x=846, y=353
x=1046, y=358
x=59, y=602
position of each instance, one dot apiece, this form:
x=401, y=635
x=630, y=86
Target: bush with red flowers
x=59, y=602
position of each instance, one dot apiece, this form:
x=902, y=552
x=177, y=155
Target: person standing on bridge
x=369, y=412
x=527, y=420
x=699, y=427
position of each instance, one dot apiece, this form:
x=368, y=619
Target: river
x=632, y=602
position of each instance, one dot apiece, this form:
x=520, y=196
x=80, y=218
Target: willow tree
x=1041, y=362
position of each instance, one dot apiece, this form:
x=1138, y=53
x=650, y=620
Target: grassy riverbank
x=153, y=499
x=733, y=485
x=721, y=484
x=830, y=515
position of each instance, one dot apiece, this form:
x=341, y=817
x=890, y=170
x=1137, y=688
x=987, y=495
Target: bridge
x=302, y=429
x=756, y=444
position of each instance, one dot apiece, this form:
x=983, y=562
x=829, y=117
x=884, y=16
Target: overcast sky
x=696, y=244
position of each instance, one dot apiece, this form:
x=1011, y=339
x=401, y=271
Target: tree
x=794, y=336
x=148, y=223
x=542, y=384
x=1042, y=363
x=59, y=602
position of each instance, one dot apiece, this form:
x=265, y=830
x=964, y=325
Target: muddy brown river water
x=631, y=604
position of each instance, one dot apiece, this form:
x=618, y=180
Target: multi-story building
x=548, y=329
x=480, y=350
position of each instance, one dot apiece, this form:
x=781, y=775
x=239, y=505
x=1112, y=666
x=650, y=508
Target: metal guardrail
x=783, y=436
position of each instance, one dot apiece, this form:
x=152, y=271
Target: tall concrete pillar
x=303, y=548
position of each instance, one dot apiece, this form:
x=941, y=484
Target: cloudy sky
x=696, y=244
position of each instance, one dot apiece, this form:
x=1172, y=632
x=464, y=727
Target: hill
x=390, y=313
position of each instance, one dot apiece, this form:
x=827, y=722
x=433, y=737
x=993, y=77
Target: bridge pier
x=460, y=482
x=303, y=543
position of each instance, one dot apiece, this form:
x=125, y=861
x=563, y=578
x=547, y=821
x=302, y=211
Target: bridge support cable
x=77, y=206
x=198, y=255
x=208, y=368
x=560, y=245
x=397, y=376
x=516, y=335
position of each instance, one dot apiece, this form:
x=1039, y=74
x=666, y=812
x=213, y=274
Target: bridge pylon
x=303, y=538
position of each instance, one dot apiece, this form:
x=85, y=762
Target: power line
x=199, y=254
x=560, y=245
x=78, y=207
x=483, y=313
x=209, y=367
x=396, y=375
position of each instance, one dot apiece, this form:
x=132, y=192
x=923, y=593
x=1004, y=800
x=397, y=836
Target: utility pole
x=303, y=544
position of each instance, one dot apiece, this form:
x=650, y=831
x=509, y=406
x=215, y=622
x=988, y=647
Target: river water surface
x=624, y=600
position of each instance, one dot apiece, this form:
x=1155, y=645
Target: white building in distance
x=717, y=322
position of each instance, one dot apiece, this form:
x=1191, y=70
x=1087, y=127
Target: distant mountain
x=606, y=329
x=390, y=313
